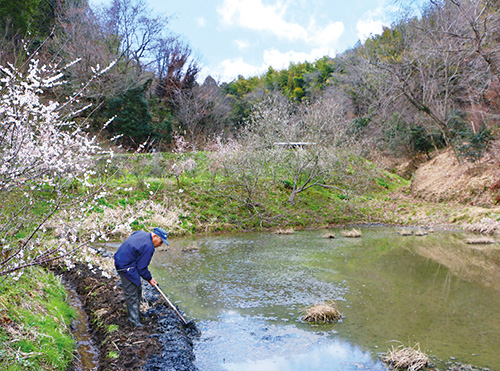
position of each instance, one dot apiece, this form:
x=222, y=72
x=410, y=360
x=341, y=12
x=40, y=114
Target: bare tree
x=11, y=50
x=202, y=111
x=80, y=37
x=132, y=29
x=477, y=34
x=447, y=62
x=360, y=82
x=244, y=169
x=300, y=141
x=175, y=70
x=146, y=52
x=479, y=29
x=418, y=62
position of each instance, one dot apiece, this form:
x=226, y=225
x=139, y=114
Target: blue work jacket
x=134, y=255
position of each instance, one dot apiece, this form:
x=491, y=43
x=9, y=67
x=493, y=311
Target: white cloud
x=230, y=69
x=271, y=20
x=368, y=27
x=201, y=22
x=373, y=21
x=254, y=15
x=327, y=36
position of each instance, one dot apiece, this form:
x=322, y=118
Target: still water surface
x=247, y=293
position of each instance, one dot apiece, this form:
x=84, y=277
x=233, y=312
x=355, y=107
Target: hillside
x=445, y=179
x=445, y=193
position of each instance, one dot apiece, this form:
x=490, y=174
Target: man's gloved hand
x=153, y=282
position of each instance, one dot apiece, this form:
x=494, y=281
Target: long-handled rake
x=191, y=325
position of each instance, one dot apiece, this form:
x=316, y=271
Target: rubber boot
x=133, y=298
x=133, y=306
x=133, y=314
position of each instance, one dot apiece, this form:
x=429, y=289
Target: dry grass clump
x=190, y=247
x=352, y=233
x=322, y=313
x=484, y=226
x=406, y=232
x=285, y=231
x=329, y=235
x=409, y=232
x=115, y=222
x=406, y=358
x=480, y=241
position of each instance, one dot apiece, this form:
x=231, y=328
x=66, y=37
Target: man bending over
x=131, y=261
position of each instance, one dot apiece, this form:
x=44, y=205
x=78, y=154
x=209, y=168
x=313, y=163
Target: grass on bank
x=143, y=193
x=34, y=320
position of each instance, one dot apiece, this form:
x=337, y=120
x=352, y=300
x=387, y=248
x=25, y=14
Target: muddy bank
x=176, y=351
x=161, y=344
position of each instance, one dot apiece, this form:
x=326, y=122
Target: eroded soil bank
x=162, y=344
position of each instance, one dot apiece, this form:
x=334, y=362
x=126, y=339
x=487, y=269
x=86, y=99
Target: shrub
x=470, y=143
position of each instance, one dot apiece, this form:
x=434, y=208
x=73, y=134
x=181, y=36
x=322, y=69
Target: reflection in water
x=477, y=263
x=250, y=343
x=331, y=357
x=433, y=290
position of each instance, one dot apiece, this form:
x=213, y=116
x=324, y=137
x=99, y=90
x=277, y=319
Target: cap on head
x=162, y=234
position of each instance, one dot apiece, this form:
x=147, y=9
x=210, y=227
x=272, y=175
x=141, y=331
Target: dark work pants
x=133, y=295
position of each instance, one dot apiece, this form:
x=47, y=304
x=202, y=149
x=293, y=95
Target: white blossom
x=39, y=147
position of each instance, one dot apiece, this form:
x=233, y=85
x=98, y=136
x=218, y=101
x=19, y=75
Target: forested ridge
x=427, y=82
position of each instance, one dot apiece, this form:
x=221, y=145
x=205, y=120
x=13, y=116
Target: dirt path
x=162, y=344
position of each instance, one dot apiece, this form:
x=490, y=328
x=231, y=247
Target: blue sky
x=245, y=37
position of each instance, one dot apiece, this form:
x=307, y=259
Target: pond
x=247, y=293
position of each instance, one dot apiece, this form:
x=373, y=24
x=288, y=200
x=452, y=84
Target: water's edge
x=163, y=343
x=86, y=350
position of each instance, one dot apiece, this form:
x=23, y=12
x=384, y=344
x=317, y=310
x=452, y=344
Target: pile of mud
x=163, y=343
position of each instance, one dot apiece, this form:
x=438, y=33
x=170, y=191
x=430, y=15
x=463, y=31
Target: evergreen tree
x=133, y=119
x=18, y=13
